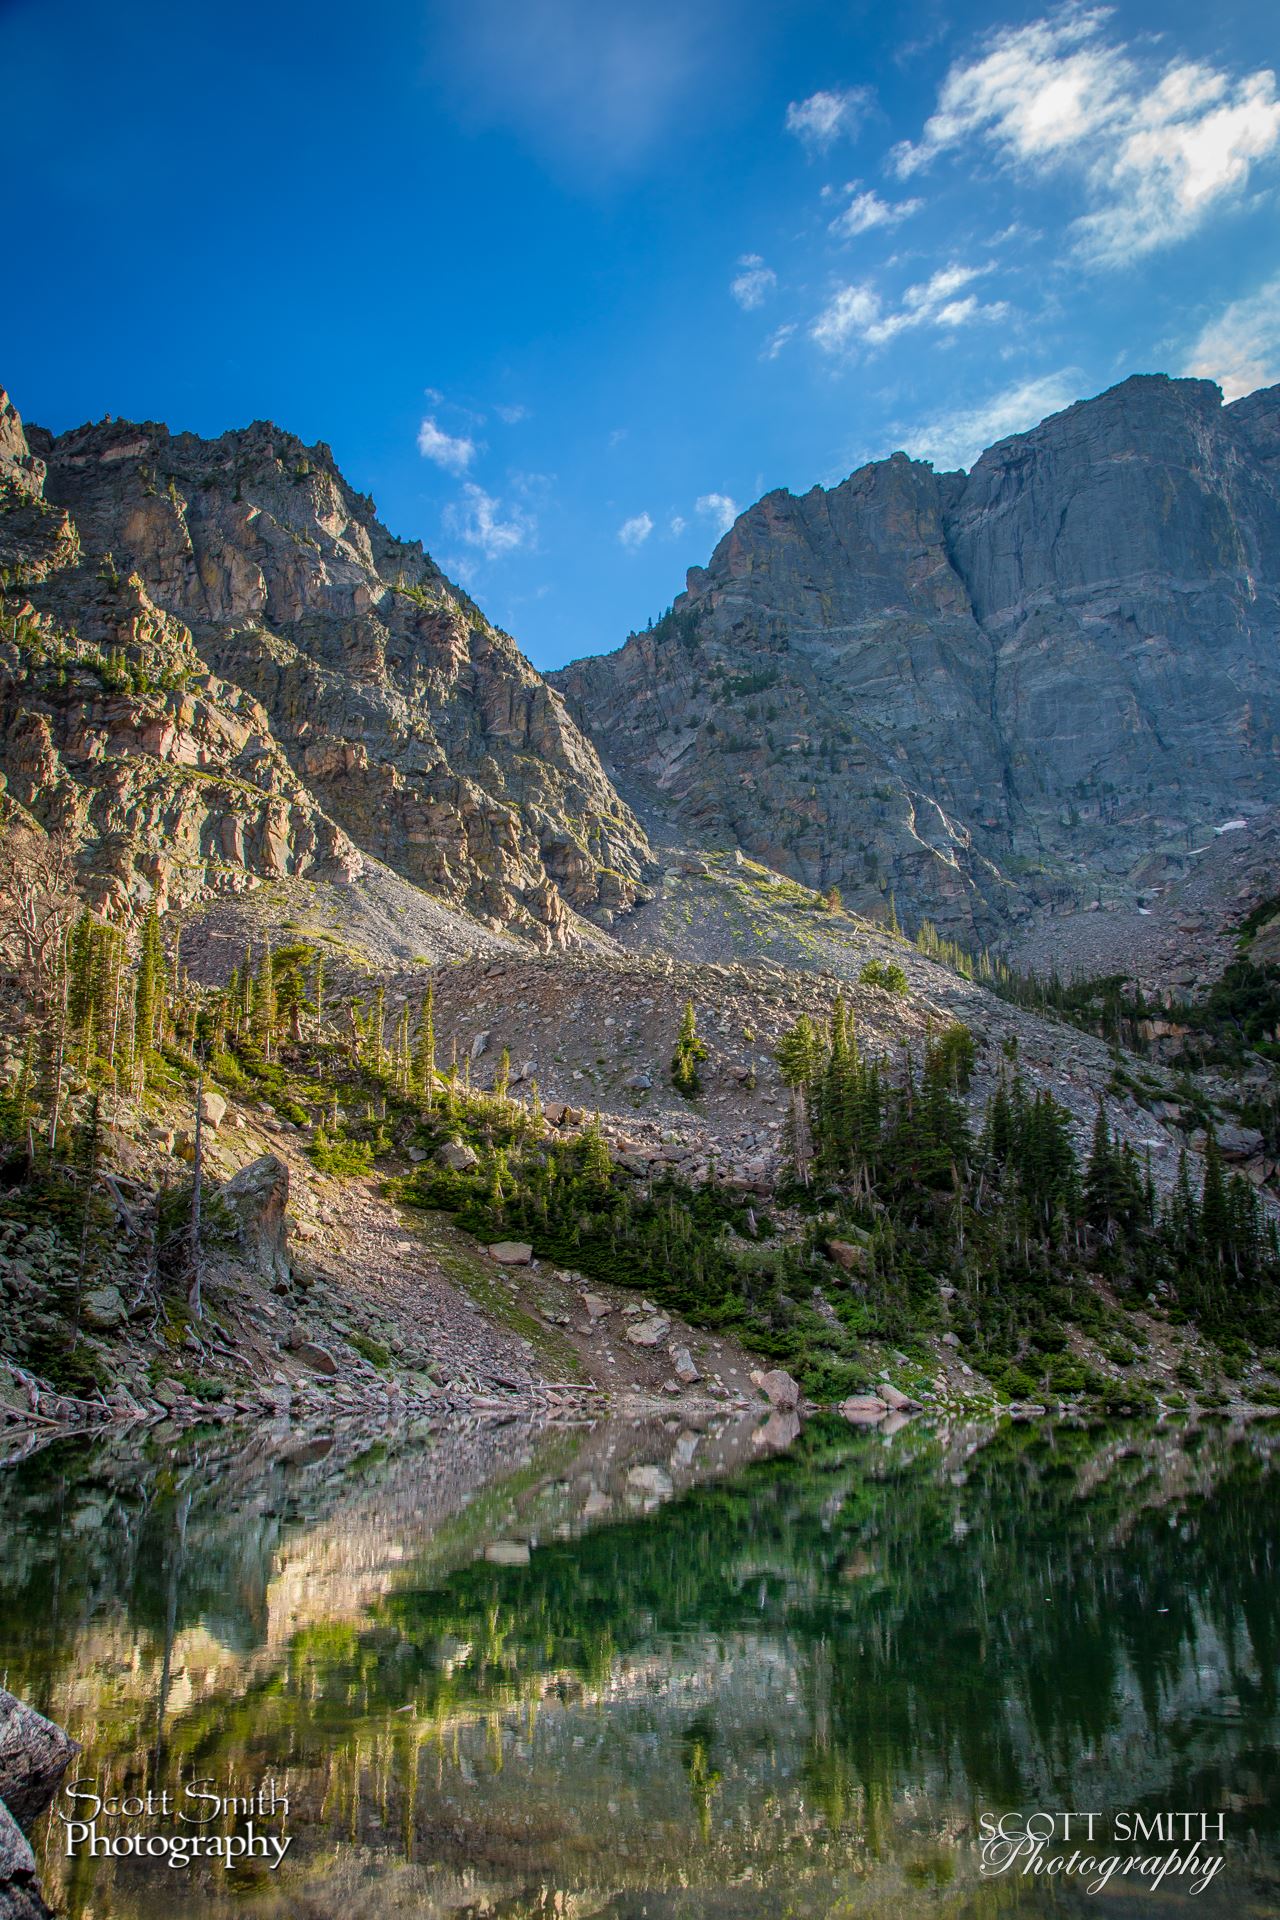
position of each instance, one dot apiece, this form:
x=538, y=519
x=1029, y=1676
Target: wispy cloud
x=956, y=438
x=719, y=508
x=827, y=116
x=1156, y=152
x=855, y=315
x=453, y=452
x=594, y=85
x=676, y=525
x=511, y=416
x=634, y=532
x=867, y=210
x=777, y=340
x=495, y=530
x=752, y=286
x=1241, y=348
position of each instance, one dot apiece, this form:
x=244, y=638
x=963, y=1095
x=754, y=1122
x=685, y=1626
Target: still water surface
x=649, y=1674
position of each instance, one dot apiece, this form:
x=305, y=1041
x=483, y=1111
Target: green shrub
x=338, y=1155
x=885, y=974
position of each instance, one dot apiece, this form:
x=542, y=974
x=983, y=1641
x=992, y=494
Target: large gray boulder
x=19, y=1891
x=258, y=1198
x=103, y=1309
x=34, y=1755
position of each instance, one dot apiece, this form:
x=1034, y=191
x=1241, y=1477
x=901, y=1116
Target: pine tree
x=1215, y=1214
x=424, y=1061
x=690, y=1051
x=149, y=992
x=266, y=1011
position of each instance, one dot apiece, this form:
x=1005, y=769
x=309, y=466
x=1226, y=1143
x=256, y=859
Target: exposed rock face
x=221, y=667
x=996, y=693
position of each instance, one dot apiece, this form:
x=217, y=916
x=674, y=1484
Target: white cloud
x=777, y=340
x=677, y=525
x=1155, y=152
x=752, y=287
x=856, y=316
x=482, y=522
x=634, y=532
x=1241, y=348
x=956, y=438
x=823, y=117
x=845, y=318
x=719, y=508
x=867, y=210
x=512, y=415
x=453, y=452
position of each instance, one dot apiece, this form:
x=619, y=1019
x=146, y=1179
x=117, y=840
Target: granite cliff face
x=220, y=667
x=997, y=695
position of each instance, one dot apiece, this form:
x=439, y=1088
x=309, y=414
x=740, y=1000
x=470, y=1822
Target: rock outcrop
x=34, y=1755
x=995, y=695
x=257, y=1199
x=217, y=667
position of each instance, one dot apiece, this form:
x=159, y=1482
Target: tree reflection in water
x=796, y=1682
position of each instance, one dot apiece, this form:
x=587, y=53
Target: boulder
x=458, y=1155
x=638, y=1082
x=648, y=1333
x=34, y=1755
x=19, y=1890
x=511, y=1253
x=213, y=1109
x=595, y=1307
x=103, y=1310
x=863, y=1409
x=896, y=1400
x=1239, y=1143
x=258, y=1197
x=780, y=1389
x=318, y=1358
x=479, y=1044
x=853, y=1258
x=686, y=1367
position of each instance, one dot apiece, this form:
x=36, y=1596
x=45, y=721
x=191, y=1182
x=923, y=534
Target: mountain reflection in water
x=625, y=1671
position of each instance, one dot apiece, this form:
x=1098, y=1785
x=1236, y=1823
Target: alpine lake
x=715, y=1673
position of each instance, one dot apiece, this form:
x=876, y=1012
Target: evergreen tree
x=265, y=1006
x=690, y=1051
x=149, y=993
x=424, y=1059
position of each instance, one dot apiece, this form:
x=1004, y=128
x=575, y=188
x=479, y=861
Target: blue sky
x=565, y=282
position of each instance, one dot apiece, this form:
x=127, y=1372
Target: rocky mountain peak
x=396, y=717
x=993, y=696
